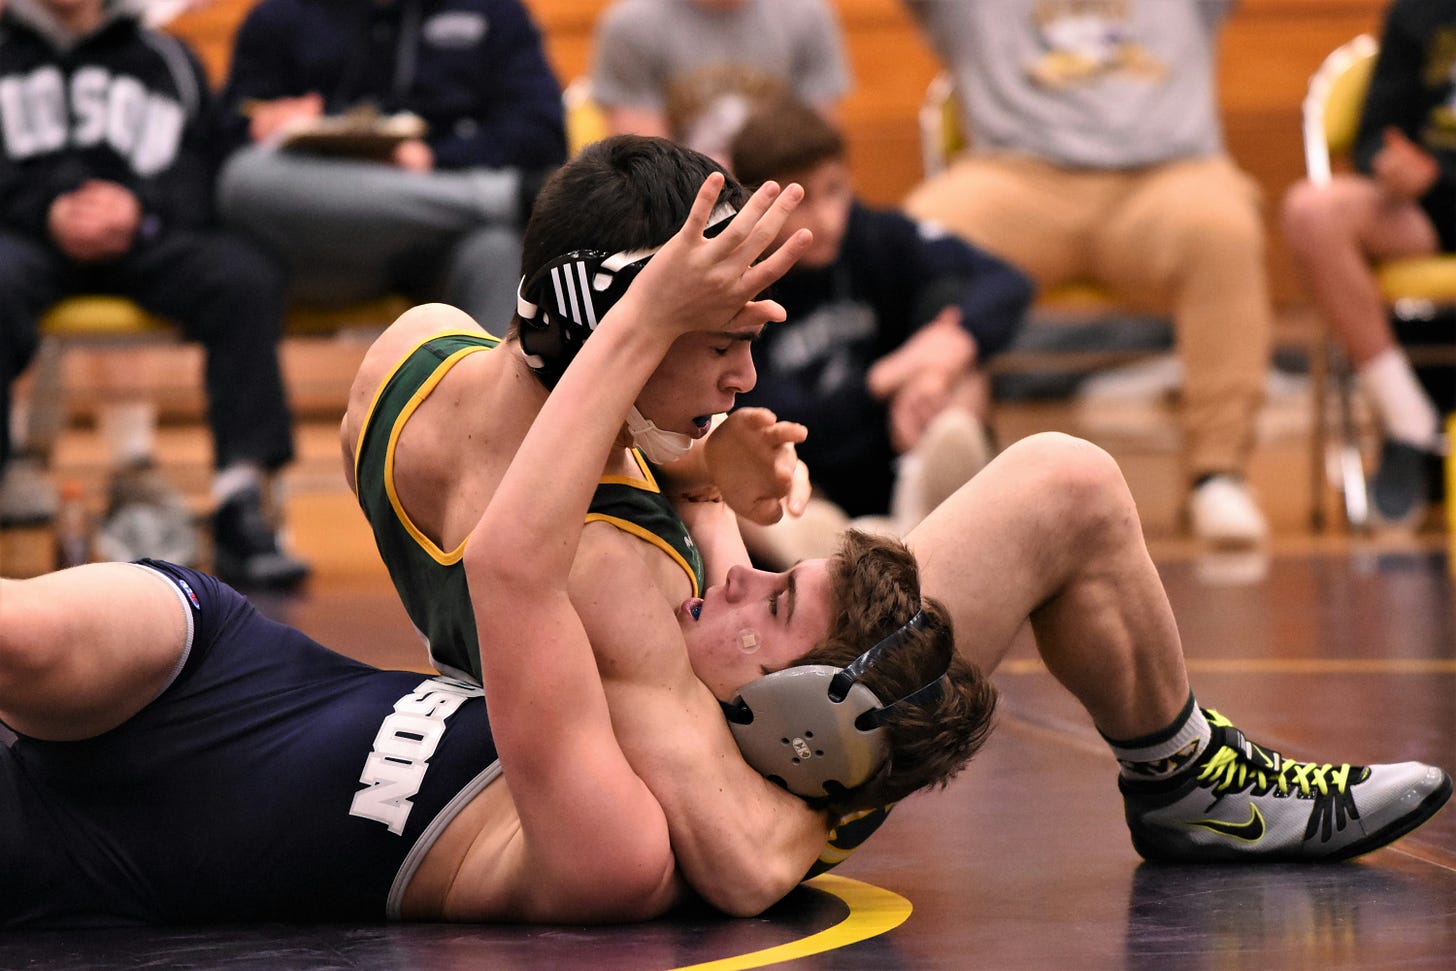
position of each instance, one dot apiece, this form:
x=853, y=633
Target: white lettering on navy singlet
x=408, y=737
x=38, y=116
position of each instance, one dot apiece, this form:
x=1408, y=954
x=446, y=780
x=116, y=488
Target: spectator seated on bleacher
x=106, y=181
x=391, y=146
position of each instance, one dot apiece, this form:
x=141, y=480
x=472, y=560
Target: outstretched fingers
x=755, y=229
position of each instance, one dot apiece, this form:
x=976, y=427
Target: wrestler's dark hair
x=626, y=192
x=875, y=588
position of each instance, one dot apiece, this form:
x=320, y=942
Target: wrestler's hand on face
x=696, y=283
x=752, y=459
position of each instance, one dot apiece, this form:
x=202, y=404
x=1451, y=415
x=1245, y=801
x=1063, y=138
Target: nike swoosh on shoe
x=1250, y=832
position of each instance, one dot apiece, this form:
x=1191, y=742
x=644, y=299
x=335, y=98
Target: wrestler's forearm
x=741, y=842
x=715, y=532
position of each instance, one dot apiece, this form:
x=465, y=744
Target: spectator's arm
x=261, y=70
x=180, y=195
x=821, y=69
x=993, y=296
x=1394, y=97
x=625, y=75
x=522, y=122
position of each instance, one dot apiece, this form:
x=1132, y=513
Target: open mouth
x=693, y=607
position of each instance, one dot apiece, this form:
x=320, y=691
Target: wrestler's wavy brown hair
x=875, y=584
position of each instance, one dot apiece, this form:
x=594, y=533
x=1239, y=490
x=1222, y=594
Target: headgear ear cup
x=789, y=729
x=816, y=728
x=561, y=303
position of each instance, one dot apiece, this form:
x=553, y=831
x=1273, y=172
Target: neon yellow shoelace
x=1229, y=769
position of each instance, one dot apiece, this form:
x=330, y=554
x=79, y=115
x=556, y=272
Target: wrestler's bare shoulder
x=408, y=331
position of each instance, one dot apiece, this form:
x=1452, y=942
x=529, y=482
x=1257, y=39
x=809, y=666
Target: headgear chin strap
x=660, y=447
x=815, y=729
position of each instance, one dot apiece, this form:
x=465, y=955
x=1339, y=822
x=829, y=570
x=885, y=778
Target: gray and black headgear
x=816, y=729
x=561, y=303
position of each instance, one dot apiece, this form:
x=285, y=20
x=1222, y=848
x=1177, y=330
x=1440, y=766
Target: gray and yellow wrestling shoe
x=1242, y=802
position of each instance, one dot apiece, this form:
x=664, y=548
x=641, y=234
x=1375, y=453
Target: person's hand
x=95, y=223
x=696, y=283
x=413, y=156
x=918, y=377
x=269, y=120
x=1406, y=170
x=751, y=459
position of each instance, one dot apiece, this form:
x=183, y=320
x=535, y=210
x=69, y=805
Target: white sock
x=1164, y=753
x=234, y=479
x=1405, y=410
x=130, y=431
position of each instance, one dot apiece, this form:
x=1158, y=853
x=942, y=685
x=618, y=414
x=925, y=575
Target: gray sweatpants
x=350, y=230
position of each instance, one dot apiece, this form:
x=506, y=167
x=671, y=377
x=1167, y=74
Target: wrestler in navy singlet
x=319, y=783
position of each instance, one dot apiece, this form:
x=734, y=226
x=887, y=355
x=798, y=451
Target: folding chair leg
x=1319, y=381
x=1351, y=466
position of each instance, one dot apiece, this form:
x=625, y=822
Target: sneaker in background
x=1242, y=802
x=1404, y=483
x=27, y=495
x=1222, y=511
x=146, y=517
x=246, y=553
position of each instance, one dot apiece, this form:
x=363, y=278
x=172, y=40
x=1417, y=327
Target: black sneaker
x=1402, y=486
x=245, y=547
x=1242, y=802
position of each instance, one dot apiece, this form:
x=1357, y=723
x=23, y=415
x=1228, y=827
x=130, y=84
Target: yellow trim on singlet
x=872, y=911
x=379, y=391
x=627, y=526
x=647, y=481
x=436, y=376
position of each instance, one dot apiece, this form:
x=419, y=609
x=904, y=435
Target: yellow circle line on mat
x=1285, y=665
x=872, y=911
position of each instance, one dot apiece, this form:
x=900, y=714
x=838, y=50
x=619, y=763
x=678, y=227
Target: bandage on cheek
x=748, y=640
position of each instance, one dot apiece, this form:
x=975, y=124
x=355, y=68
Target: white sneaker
x=1223, y=512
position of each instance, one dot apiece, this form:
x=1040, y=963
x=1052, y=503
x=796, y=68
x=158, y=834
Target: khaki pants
x=1184, y=238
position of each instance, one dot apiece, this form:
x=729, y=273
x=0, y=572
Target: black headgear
x=815, y=729
x=560, y=304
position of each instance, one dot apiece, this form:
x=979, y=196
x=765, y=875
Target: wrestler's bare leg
x=84, y=649
x=1049, y=531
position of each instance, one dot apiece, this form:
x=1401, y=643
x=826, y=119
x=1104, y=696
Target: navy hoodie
x=893, y=275
x=122, y=103
x=474, y=70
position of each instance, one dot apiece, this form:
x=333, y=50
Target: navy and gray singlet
x=273, y=779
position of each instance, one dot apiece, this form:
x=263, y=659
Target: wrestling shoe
x=1242, y=802
x=246, y=553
